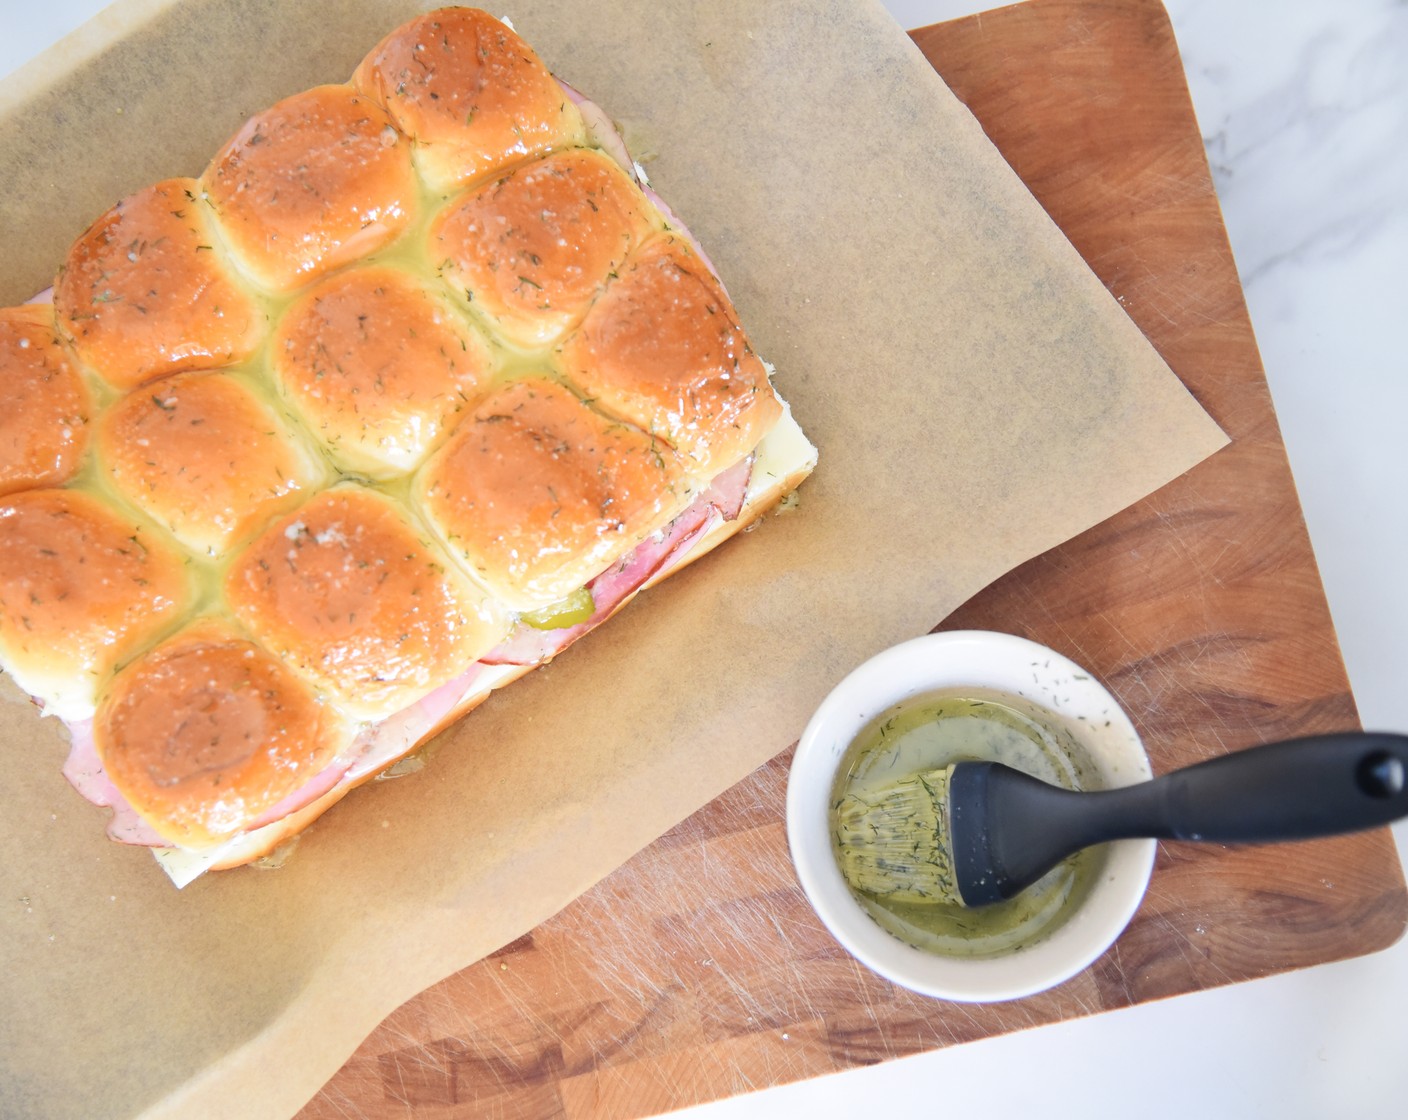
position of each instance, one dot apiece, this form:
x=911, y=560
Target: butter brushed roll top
x=81, y=588
x=348, y=591
x=204, y=456
x=663, y=348
x=314, y=183
x=45, y=407
x=532, y=249
x=208, y=730
x=411, y=388
x=538, y=492
x=470, y=92
x=147, y=290
x=379, y=365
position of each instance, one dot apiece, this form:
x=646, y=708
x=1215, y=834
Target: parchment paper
x=976, y=395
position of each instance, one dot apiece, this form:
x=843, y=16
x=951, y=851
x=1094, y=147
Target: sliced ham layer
x=611, y=140
x=311, y=790
x=601, y=125
x=729, y=489
x=84, y=771
x=394, y=736
x=529, y=646
x=721, y=502
x=377, y=747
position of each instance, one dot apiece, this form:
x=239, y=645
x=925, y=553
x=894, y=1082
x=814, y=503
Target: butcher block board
x=697, y=970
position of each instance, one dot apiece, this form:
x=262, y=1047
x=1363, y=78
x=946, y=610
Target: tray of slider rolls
x=449, y=433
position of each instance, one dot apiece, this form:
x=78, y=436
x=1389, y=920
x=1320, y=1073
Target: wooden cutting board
x=697, y=970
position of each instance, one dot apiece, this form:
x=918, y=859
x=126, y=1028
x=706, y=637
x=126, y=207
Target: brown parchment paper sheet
x=976, y=395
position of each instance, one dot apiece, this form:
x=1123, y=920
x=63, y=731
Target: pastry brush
x=976, y=833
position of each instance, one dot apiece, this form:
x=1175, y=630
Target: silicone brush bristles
x=894, y=843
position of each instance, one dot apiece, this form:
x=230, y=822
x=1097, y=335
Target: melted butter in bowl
x=933, y=731
x=917, y=708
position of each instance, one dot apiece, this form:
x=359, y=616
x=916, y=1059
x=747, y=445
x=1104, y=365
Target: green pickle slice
x=577, y=607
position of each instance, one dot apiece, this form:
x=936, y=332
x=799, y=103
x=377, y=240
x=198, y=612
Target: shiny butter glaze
x=209, y=730
x=316, y=182
x=532, y=249
x=471, y=93
x=81, y=588
x=663, y=348
x=379, y=364
x=44, y=404
x=538, y=492
x=202, y=454
x=147, y=292
x=346, y=589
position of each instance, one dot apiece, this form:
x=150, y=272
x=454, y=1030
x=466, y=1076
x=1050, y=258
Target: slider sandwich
x=415, y=385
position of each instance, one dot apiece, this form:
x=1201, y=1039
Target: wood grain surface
x=697, y=970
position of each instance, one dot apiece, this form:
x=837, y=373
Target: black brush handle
x=1009, y=829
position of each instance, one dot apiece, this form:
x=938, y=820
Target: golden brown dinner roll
x=663, y=348
x=202, y=454
x=348, y=593
x=378, y=364
x=310, y=185
x=207, y=731
x=147, y=291
x=537, y=492
x=44, y=405
x=81, y=589
x=532, y=248
x=470, y=92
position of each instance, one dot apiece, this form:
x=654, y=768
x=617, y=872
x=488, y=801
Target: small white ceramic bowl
x=986, y=661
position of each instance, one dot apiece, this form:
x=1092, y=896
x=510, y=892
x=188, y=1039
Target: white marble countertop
x=1304, y=106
